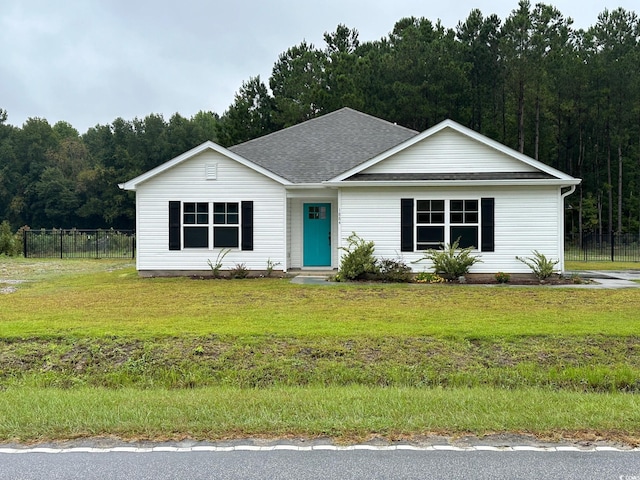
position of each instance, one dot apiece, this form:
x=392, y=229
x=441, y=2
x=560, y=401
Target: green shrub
x=396, y=271
x=502, y=277
x=540, y=265
x=9, y=242
x=451, y=262
x=359, y=260
x=216, y=267
x=239, y=271
x=270, y=266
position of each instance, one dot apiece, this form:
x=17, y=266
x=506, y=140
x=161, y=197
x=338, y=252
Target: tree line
x=565, y=96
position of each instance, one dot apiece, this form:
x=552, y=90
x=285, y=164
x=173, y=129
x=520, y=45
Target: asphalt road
x=323, y=464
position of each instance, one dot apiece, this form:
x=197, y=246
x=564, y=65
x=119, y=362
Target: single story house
x=291, y=199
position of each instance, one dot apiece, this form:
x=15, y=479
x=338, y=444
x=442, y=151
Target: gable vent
x=211, y=171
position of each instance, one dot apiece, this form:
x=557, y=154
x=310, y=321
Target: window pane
x=189, y=218
x=424, y=218
x=232, y=218
x=457, y=205
x=203, y=218
x=196, y=237
x=437, y=205
x=471, y=205
x=437, y=218
x=468, y=236
x=456, y=217
x=218, y=208
x=189, y=208
x=219, y=218
x=430, y=234
x=471, y=217
x=423, y=205
x=203, y=208
x=225, y=237
x=232, y=208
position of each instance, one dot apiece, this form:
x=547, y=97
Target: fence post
x=24, y=243
x=613, y=241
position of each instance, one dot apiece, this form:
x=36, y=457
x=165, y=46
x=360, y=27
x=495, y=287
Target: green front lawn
x=93, y=349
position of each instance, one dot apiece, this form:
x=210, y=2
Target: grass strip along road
x=88, y=348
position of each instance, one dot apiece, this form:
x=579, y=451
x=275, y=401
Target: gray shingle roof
x=324, y=147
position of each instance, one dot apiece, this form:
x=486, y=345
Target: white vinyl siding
x=187, y=182
x=449, y=151
x=526, y=219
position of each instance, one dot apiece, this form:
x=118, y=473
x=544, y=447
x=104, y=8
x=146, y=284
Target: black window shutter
x=174, y=225
x=247, y=226
x=406, y=225
x=487, y=221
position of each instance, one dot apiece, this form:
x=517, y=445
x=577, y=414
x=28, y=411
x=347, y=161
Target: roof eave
x=305, y=186
x=455, y=183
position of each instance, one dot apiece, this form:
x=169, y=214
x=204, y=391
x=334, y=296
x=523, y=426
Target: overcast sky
x=88, y=62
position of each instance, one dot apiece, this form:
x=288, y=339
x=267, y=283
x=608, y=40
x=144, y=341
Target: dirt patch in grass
x=21, y=269
x=522, y=279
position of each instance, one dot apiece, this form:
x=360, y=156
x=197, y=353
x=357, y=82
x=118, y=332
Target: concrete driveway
x=608, y=278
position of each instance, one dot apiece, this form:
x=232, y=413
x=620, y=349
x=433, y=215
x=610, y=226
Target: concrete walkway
x=312, y=280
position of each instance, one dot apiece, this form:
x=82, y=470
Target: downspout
x=285, y=260
x=561, y=236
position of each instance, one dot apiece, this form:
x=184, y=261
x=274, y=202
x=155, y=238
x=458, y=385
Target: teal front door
x=317, y=235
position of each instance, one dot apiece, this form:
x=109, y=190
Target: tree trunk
x=619, y=188
x=521, y=115
x=580, y=161
x=609, y=191
x=536, y=142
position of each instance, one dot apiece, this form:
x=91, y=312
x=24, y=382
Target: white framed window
x=195, y=221
x=441, y=222
x=226, y=225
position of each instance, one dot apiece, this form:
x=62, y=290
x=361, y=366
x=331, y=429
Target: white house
x=293, y=197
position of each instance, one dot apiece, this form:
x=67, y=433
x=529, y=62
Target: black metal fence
x=614, y=247
x=76, y=243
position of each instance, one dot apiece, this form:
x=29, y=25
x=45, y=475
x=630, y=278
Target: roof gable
x=505, y=163
x=208, y=145
x=319, y=149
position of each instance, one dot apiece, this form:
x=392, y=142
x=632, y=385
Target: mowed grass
x=601, y=265
x=88, y=348
x=343, y=413
x=116, y=302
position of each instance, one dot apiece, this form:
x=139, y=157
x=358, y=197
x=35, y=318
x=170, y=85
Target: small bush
x=396, y=271
x=216, y=267
x=270, y=266
x=502, y=277
x=239, y=271
x=9, y=242
x=359, y=260
x=451, y=262
x=540, y=265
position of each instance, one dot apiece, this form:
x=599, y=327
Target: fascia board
x=455, y=183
